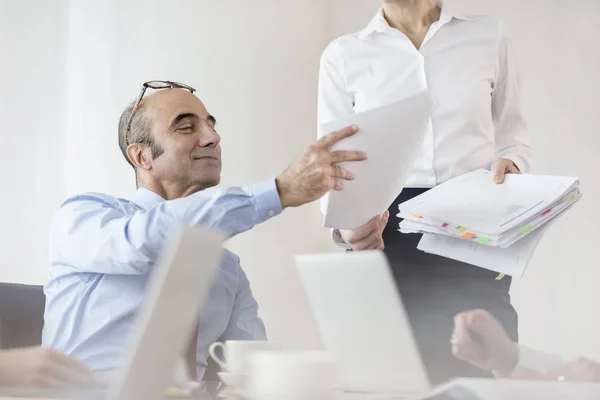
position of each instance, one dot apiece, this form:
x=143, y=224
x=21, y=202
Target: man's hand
x=42, y=368
x=501, y=167
x=368, y=236
x=315, y=171
x=582, y=370
x=480, y=339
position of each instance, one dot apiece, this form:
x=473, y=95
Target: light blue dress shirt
x=103, y=249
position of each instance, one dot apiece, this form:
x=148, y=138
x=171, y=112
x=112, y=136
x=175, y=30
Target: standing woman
x=476, y=122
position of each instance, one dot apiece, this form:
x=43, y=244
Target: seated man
x=102, y=248
x=480, y=339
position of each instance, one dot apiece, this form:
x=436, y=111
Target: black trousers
x=434, y=289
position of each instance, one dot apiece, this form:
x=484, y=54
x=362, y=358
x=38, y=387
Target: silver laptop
x=169, y=314
x=362, y=322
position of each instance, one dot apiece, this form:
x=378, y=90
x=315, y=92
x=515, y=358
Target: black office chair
x=21, y=315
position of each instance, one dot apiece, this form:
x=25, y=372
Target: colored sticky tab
x=483, y=240
x=415, y=215
x=460, y=228
x=569, y=197
x=444, y=225
x=527, y=229
x=499, y=277
x=468, y=235
x=548, y=211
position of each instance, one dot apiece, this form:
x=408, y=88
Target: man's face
x=186, y=132
x=388, y=2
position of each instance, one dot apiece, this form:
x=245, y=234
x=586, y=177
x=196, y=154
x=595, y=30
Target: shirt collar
x=379, y=24
x=146, y=199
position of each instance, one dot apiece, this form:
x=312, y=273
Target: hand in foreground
x=316, y=170
x=369, y=236
x=480, y=339
x=38, y=367
x=582, y=370
x=501, y=167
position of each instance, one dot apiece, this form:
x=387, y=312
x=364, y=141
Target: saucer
x=232, y=380
x=230, y=393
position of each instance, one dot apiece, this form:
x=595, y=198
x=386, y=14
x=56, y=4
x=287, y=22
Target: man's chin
x=210, y=182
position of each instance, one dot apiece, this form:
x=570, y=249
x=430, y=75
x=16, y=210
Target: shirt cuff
x=517, y=160
x=532, y=362
x=266, y=197
x=336, y=235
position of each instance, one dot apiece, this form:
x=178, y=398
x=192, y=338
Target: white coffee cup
x=291, y=376
x=235, y=353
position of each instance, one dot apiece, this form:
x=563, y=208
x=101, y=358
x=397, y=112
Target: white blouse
x=465, y=65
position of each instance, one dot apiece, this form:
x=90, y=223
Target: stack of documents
x=474, y=220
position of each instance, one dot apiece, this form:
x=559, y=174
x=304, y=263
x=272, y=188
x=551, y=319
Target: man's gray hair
x=140, y=131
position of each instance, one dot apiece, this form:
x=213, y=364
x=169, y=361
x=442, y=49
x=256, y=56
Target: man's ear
x=140, y=156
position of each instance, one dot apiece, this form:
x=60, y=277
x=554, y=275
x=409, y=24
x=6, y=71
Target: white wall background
x=33, y=53
x=69, y=67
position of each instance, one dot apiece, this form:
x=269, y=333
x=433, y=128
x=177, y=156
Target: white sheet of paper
x=391, y=136
x=174, y=299
x=511, y=261
x=475, y=202
x=499, y=389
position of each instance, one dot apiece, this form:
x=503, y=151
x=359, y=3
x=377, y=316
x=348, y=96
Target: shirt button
x=271, y=213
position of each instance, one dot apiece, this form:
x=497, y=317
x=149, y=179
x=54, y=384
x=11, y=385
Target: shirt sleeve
x=336, y=235
x=511, y=137
x=532, y=362
x=334, y=102
x=244, y=323
x=93, y=235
